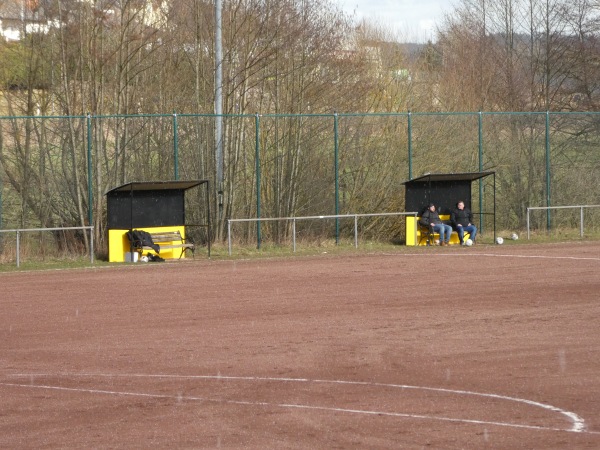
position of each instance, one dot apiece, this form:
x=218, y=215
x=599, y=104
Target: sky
x=413, y=20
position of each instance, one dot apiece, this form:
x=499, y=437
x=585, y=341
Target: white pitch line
x=578, y=424
x=575, y=258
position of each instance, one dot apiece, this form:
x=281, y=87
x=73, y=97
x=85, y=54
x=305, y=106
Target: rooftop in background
x=17, y=16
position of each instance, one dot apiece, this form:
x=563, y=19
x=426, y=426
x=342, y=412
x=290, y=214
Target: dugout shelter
x=152, y=206
x=443, y=190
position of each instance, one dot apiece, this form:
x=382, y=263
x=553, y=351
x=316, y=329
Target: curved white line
x=578, y=424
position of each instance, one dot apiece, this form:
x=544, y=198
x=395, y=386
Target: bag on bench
x=141, y=238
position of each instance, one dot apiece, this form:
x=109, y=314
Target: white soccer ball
x=437, y=242
x=499, y=240
x=469, y=242
x=514, y=236
x=144, y=259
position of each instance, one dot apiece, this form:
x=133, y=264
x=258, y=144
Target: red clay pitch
x=484, y=347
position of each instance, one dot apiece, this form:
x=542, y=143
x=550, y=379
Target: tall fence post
x=175, y=147
x=294, y=233
x=228, y=235
x=409, y=145
x=89, y=170
x=91, y=244
x=1, y=237
x=18, y=248
x=1, y=212
x=257, y=168
x=337, y=176
x=219, y=106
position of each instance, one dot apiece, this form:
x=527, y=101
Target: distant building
x=21, y=17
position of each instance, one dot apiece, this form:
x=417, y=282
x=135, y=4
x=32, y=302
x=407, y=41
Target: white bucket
x=131, y=256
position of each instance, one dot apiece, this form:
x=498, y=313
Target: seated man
x=462, y=219
x=431, y=219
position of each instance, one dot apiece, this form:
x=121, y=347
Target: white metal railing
x=23, y=230
x=580, y=207
x=294, y=219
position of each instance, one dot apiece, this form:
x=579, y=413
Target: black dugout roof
x=157, y=185
x=448, y=177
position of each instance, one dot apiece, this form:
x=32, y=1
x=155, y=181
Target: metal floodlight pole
x=480, y=156
x=219, y=104
x=548, y=179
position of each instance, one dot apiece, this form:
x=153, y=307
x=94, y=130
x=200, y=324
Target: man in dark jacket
x=462, y=221
x=431, y=219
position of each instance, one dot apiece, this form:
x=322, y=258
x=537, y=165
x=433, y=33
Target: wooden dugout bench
x=166, y=240
x=416, y=234
x=174, y=244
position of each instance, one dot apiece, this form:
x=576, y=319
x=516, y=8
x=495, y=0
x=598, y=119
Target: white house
x=21, y=17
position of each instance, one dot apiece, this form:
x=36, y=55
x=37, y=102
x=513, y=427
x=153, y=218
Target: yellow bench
x=417, y=235
x=165, y=240
x=174, y=243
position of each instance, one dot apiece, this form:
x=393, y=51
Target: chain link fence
x=55, y=171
